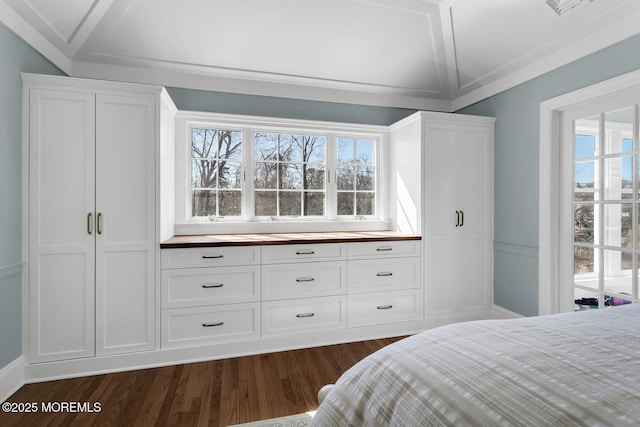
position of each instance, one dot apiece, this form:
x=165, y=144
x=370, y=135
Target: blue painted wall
x=253, y=105
x=516, y=166
x=15, y=57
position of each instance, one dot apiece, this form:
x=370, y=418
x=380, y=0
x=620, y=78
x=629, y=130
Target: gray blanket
x=569, y=369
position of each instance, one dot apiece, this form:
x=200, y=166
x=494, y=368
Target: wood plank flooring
x=215, y=393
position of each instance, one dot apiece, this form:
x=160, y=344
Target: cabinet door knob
x=457, y=218
x=461, y=218
x=89, y=223
x=212, y=256
x=212, y=324
x=212, y=285
x=384, y=274
x=303, y=315
x=305, y=279
x=99, y=223
x=384, y=307
x=384, y=249
x=304, y=252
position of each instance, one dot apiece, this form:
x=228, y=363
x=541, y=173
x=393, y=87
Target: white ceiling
x=423, y=54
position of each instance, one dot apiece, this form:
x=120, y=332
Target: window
x=605, y=209
x=216, y=172
x=289, y=175
x=356, y=176
x=252, y=174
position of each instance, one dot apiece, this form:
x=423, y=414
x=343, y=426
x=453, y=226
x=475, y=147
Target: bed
x=569, y=369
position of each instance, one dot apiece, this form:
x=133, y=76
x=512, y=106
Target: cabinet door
x=441, y=186
x=61, y=220
x=474, y=177
x=125, y=215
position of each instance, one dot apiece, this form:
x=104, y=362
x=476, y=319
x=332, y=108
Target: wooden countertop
x=213, y=240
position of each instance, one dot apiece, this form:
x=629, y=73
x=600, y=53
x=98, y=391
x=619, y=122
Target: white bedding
x=563, y=370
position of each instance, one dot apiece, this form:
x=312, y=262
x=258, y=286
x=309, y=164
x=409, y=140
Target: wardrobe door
x=125, y=220
x=61, y=224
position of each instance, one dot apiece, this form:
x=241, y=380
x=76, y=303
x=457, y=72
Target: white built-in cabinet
x=446, y=195
x=91, y=171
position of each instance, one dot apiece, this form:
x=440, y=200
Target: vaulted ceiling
x=423, y=54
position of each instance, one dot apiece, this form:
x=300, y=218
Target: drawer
x=183, y=327
x=383, y=274
x=210, y=257
x=389, y=249
x=303, y=315
x=384, y=307
x=303, y=253
x=299, y=280
x=187, y=287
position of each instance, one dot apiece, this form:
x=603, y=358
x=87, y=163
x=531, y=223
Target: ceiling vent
x=563, y=6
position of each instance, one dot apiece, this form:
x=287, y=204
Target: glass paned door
x=605, y=209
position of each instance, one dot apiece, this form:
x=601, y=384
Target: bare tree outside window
x=356, y=176
x=289, y=175
x=216, y=172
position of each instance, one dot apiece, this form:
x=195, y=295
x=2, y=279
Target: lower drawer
x=303, y=315
x=183, y=327
x=384, y=307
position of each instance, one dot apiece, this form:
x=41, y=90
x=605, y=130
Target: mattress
x=570, y=369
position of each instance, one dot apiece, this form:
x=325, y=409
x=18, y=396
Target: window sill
x=280, y=227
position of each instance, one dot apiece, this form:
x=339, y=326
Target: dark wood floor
x=215, y=393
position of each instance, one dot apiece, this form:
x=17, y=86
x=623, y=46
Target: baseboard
x=11, y=378
x=502, y=313
x=48, y=371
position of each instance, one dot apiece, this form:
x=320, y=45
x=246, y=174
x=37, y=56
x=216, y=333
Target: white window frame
x=555, y=228
x=247, y=223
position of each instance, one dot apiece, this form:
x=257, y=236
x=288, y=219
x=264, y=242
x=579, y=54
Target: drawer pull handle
x=384, y=307
x=209, y=325
x=384, y=249
x=305, y=279
x=384, y=274
x=303, y=315
x=212, y=256
x=305, y=252
x=212, y=285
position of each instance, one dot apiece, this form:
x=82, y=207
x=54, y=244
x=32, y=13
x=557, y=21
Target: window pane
x=290, y=176
x=618, y=229
x=346, y=203
x=290, y=148
x=345, y=177
x=230, y=202
x=229, y=145
x=216, y=163
x=584, y=146
x=365, y=178
x=583, y=223
x=313, y=177
x=314, y=149
x=230, y=175
x=266, y=175
x=203, y=173
x=365, y=204
x=204, y=143
x=617, y=277
x=584, y=267
x=203, y=203
x=266, y=146
x=618, y=178
x=290, y=203
x=584, y=181
x=346, y=150
x=313, y=203
x=618, y=126
x=266, y=203
x=365, y=152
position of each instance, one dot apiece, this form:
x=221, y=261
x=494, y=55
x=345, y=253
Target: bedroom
x=516, y=217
